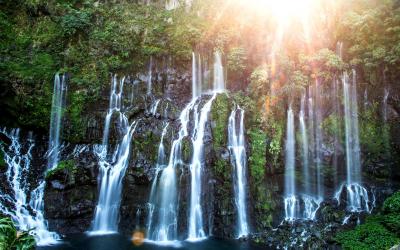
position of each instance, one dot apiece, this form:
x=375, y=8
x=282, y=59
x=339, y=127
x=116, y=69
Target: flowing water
x=357, y=196
x=291, y=202
x=318, y=138
x=219, y=82
x=112, y=168
x=196, y=76
x=153, y=200
x=26, y=205
x=196, y=230
x=236, y=145
x=304, y=147
x=57, y=109
x=162, y=225
x=150, y=77
x=22, y=204
x=162, y=220
x=299, y=206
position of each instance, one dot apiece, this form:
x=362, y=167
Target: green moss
x=220, y=112
x=223, y=169
x=332, y=125
x=372, y=133
x=78, y=122
x=68, y=165
x=147, y=144
x=2, y=161
x=257, y=157
x=11, y=239
x=186, y=149
x=264, y=206
x=275, y=145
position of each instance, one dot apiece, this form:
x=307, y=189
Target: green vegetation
x=147, y=144
x=220, y=112
x=257, y=158
x=2, y=161
x=62, y=167
x=87, y=39
x=373, y=133
x=371, y=235
x=11, y=239
x=379, y=231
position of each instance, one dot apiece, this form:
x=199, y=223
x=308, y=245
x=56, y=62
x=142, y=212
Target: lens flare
x=137, y=238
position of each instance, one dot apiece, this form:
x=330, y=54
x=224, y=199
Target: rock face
x=71, y=192
x=71, y=195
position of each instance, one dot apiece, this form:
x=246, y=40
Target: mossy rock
x=63, y=167
x=147, y=144
x=220, y=112
x=2, y=161
x=257, y=156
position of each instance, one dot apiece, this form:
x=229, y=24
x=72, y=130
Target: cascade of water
x=365, y=99
x=26, y=213
x=291, y=202
x=115, y=105
x=357, y=195
x=57, y=106
x=318, y=139
x=196, y=230
x=219, y=82
x=311, y=135
x=385, y=104
x=163, y=227
x=337, y=128
x=150, y=76
x=112, y=170
x=196, y=88
x=236, y=145
x=304, y=147
x=171, y=4
x=154, y=107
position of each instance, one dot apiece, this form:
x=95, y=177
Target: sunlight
x=283, y=10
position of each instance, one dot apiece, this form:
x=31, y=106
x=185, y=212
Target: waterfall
x=196, y=230
x=304, y=147
x=24, y=209
x=291, y=202
x=195, y=83
x=161, y=162
x=337, y=127
x=153, y=109
x=171, y=4
x=163, y=197
x=28, y=214
x=219, y=82
x=57, y=106
x=149, y=77
x=236, y=145
x=297, y=206
x=163, y=207
x=385, y=104
x=357, y=196
x=318, y=139
x=112, y=170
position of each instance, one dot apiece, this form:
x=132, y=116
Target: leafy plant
x=11, y=239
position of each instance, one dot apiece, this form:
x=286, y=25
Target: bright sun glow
x=283, y=10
